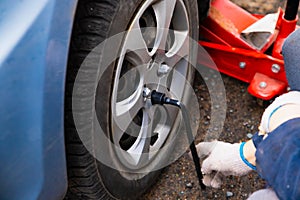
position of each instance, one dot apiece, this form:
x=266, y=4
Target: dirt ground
x=179, y=181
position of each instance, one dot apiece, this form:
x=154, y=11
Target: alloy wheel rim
x=155, y=58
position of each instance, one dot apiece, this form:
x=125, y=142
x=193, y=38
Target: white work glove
x=263, y=194
x=223, y=159
x=292, y=97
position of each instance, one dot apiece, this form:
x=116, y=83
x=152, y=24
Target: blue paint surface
x=34, y=43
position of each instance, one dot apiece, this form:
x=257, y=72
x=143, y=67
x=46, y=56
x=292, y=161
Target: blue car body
x=34, y=43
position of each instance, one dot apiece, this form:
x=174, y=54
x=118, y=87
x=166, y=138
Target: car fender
x=34, y=43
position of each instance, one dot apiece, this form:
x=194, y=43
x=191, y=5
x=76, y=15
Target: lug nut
x=163, y=70
x=146, y=93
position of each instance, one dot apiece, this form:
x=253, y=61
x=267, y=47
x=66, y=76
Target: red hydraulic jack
x=248, y=46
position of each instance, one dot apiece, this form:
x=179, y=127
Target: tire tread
x=91, y=25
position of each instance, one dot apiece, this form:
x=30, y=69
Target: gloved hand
x=287, y=98
x=263, y=195
x=223, y=159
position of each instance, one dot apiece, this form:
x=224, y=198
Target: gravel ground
x=179, y=180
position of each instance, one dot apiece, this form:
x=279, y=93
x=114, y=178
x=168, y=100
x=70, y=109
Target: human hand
x=269, y=121
x=223, y=159
x=263, y=194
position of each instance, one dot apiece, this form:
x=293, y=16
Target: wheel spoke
x=125, y=111
x=140, y=149
x=178, y=82
x=135, y=43
x=162, y=128
x=179, y=50
x=164, y=12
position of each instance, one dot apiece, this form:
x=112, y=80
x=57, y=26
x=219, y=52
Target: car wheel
x=138, y=136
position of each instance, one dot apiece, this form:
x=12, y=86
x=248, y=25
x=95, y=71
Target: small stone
x=229, y=194
x=189, y=185
x=231, y=111
x=249, y=135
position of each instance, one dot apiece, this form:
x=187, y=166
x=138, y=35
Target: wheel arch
x=203, y=8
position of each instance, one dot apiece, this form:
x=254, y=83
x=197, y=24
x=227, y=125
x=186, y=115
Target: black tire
x=95, y=21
